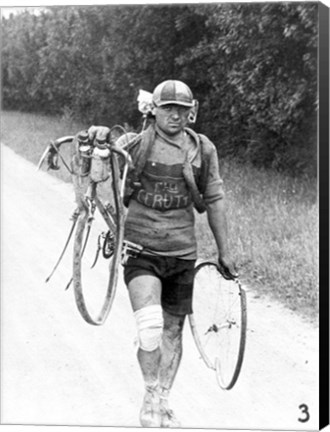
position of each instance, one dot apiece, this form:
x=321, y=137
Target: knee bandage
x=149, y=322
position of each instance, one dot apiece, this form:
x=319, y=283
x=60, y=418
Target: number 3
x=304, y=410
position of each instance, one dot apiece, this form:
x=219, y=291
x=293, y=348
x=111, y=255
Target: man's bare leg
x=145, y=292
x=169, y=364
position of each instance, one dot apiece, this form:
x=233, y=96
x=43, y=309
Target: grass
x=272, y=219
x=273, y=233
x=29, y=134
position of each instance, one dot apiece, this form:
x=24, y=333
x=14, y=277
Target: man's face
x=171, y=119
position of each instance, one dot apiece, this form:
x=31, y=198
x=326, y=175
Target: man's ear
x=153, y=110
x=192, y=117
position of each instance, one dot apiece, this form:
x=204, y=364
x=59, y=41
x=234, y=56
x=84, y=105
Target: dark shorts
x=176, y=276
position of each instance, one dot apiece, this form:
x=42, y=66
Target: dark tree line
x=252, y=66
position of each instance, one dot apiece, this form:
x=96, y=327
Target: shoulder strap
x=205, y=157
x=197, y=185
x=146, y=141
x=140, y=151
x=205, y=146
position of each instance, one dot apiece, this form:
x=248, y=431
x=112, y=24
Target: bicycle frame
x=119, y=224
x=112, y=215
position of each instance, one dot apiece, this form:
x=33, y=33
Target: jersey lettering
x=170, y=187
x=162, y=201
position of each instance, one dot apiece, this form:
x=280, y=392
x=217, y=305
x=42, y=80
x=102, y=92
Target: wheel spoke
x=219, y=318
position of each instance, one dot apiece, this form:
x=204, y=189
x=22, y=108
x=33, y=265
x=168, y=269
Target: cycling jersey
x=161, y=212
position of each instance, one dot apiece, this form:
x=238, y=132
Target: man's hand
x=227, y=268
x=100, y=133
x=52, y=159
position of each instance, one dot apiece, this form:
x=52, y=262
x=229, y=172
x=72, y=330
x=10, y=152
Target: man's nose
x=175, y=112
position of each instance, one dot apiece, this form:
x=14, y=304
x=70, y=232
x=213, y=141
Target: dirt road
x=58, y=370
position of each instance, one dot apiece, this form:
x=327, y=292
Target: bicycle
x=94, y=163
x=219, y=322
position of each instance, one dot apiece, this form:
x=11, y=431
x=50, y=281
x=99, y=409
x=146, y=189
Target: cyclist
x=173, y=165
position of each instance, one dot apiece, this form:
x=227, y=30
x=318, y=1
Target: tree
x=260, y=61
x=252, y=66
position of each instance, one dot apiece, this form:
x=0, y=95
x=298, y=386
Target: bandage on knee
x=149, y=322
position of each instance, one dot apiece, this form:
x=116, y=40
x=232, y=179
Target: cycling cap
x=172, y=92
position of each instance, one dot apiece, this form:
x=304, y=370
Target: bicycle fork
x=91, y=206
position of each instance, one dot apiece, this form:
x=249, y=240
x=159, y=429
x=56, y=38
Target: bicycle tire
x=219, y=323
x=116, y=224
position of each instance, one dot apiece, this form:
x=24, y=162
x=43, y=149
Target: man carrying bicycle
x=175, y=171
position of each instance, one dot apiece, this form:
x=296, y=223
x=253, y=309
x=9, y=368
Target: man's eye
x=179, y=110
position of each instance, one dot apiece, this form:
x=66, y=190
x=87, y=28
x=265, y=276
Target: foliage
x=257, y=66
x=252, y=66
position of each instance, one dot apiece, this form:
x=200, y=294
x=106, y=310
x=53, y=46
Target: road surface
x=58, y=370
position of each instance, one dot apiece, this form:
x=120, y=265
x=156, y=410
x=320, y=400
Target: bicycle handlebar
x=66, y=139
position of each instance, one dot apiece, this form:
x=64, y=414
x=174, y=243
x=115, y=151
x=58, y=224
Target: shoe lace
x=169, y=413
x=165, y=409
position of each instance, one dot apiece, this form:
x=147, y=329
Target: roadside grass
x=29, y=135
x=272, y=219
x=273, y=234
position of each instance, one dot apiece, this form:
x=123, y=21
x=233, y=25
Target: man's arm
x=217, y=219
